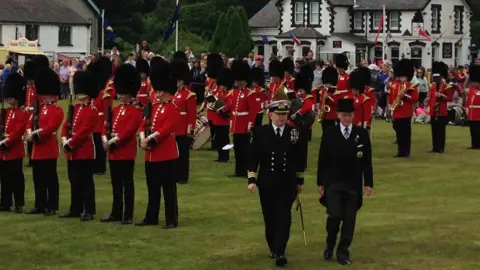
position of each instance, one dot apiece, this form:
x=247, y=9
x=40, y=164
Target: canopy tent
x=69, y=56
x=23, y=46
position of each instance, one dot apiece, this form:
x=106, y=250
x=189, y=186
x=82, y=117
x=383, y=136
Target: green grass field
x=423, y=215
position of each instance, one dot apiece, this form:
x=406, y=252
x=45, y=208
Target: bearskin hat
x=142, y=66
x=440, y=68
x=83, y=83
x=357, y=80
x=180, y=71
x=404, y=68
x=330, y=76
x=225, y=78
x=366, y=75
x=41, y=61
x=127, y=80
x=160, y=77
x=240, y=70
x=258, y=76
x=180, y=55
x=214, y=65
x=341, y=61
x=275, y=69
x=304, y=79
x=155, y=60
x=47, y=82
x=474, y=73
x=15, y=88
x=288, y=65
x=102, y=71
x=29, y=70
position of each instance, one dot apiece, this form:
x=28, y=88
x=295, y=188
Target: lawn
x=423, y=214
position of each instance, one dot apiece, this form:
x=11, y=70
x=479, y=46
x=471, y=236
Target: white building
x=329, y=27
x=59, y=29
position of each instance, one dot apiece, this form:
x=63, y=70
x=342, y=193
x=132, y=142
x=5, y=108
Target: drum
x=201, y=133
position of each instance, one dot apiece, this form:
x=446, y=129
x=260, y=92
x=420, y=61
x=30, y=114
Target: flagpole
x=384, y=16
x=176, y=32
x=103, y=30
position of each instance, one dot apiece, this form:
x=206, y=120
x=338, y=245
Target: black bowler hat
x=345, y=105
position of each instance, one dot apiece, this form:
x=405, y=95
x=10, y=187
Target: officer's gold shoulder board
x=229, y=93
x=365, y=97
x=191, y=94
x=308, y=96
x=251, y=92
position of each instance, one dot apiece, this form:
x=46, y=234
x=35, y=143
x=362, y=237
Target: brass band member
x=473, y=106
x=362, y=110
x=277, y=72
x=341, y=63
x=258, y=84
x=289, y=69
x=143, y=93
x=327, y=110
x=214, y=64
x=222, y=123
x=370, y=98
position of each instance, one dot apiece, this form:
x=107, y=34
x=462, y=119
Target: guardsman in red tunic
x=460, y=77
x=186, y=102
x=12, y=150
x=341, y=62
x=404, y=97
x=29, y=71
x=439, y=95
x=370, y=99
x=242, y=115
x=222, y=123
x=328, y=107
x=143, y=94
x=157, y=134
x=77, y=141
x=42, y=129
x=119, y=140
x=289, y=69
x=258, y=82
x=473, y=106
x=276, y=72
x=102, y=70
x=362, y=110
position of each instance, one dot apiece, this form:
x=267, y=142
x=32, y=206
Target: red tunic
x=371, y=102
x=446, y=90
x=83, y=124
x=289, y=82
x=211, y=89
x=339, y=94
x=220, y=120
x=308, y=106
x=473, y=104
x=186, y=102
x=362, y=113
x=102, y=102
x=409, y=101
x=260, y=99
x=15, y=126
x=144, y=92
x=343, y=81
x=242, y=110
x=272, y=90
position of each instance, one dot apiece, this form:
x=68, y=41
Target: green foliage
x=246, y=28
x=234, y=43
x=219, y=35
x=200, y=19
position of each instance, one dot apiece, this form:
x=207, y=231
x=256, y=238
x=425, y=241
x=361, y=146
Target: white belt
x=474, y=107
x=100, y=113
x=183, y=113
x=29, y=108
x=240, y=113
x=142, y=95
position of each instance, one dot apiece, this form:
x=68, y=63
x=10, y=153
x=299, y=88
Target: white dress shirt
x=342, y=128
x=275, y=129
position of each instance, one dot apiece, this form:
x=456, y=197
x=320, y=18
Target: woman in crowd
x=423, y=86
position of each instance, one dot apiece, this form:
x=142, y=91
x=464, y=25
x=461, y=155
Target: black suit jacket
x=280, y=162
x=345, y=164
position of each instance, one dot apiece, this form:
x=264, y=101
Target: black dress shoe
x=281, y=261
x=86, y=217
x=272, y=255
x=126, y=221
x=401, y=156
x=70, y=215
x=110, y=219
x=144, y=222
x=35, y=211
x=344, y=260
x=50, y=213
x=328, y=254
x=170, y=226
x=5, y=209
x=18, y=210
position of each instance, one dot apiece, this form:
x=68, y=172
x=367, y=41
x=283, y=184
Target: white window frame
x=358, y=20
x=458, y=20
x=394, y=19
x=376, y=21
x=314, y=12
x=391, y=53
x=435, y=17
x=299, y=15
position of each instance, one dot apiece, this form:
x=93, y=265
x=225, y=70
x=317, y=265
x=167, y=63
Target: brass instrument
x=324, y=108
x=398, y=101
x=281, y=93
x=438, y=82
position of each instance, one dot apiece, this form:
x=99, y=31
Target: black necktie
x=346, y=133
x=279, y=135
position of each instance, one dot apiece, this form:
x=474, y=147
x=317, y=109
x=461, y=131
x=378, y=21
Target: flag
x=109, y=30
x=422, y=33
x=295, y=39
x=460, y=42
x=264, y=39
x=380, y=28
x=172, y=24
x=388, y=37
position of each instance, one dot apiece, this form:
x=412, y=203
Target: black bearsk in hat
x=160, y=77
x=345, y=105
x=142, y=66
x=341, y=61
x=83, y=83
x=304, y=79
x=127, y=80
x=474, y=73
x=180, y=71
x=440, y=68
x=275, y=69
x=357, y=80
x=404, y=68
x=288, y=65
x=330, y=76
x=47, y=83
x=240, y=70
x=15, y=88
x=214, y=64
x=258, y=76
x=29, y=70
x=366, y=75
x=180, y=55
x=154, y=61
x=225, y=78
x=102, y=71
x=41, y=61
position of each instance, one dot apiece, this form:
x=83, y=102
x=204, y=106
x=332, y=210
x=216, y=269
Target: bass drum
x=201, y=133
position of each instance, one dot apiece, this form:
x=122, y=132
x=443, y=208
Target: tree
x=234, y=43
x=246, y=28
x=200, y=19
x=219, y=35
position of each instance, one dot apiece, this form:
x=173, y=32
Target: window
x=358, y=21
x=457, y=55
x=315, y=13
x=395, y=55
x=299, y=12
x=378, y=54
x=458, y=19
x=435, y=19
x=31, y=31
x=305, y=50
x=377, y=17
x=261, y=50
x=394, y=20
x=417, y=56
x=435, y=54
x=65, y=36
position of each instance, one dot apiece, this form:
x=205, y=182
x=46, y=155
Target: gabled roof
x=357, y=40
x=39, y=11
x=268, y=17
x=303, y=32
x=377, y=4
x=93, y=6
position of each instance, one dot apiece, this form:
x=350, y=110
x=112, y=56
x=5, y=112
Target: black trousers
x=160, y=176
x=13, y=182
x=121, y=172
x=213, y=134
x=240, y=145
x=182, y=164
x=82, y=187
x=223, y=138
x=347, y=202
x=439, y=130
x=277, y=216
x=45, y=182
x=475, y=134
x=100, y=163
x=403, y=130
x=328, y=124
x=394, y=126
x=421, y=98
x=259, y=120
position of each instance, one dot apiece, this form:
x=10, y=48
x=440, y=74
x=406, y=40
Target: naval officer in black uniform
x=276, y=151
x=344, y=169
